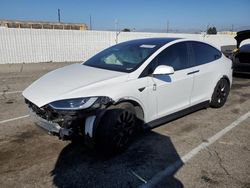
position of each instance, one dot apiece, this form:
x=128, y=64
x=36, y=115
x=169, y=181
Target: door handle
x=193, y=72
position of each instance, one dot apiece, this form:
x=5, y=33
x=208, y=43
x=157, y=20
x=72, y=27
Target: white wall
x=34, y=45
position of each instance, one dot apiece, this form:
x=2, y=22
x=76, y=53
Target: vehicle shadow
x=150, y=153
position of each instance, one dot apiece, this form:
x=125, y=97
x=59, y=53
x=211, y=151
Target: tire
x=220, y=93
x=116, y=129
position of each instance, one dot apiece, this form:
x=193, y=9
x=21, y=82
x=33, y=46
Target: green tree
x=212, y=31
x=126, y=30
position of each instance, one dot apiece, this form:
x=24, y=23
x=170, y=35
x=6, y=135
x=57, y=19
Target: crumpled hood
x=70, y=82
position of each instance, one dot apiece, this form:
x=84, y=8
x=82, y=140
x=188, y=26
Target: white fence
x=34, y=45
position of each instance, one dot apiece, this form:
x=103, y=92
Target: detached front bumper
x=53, y=128
x=66, y=124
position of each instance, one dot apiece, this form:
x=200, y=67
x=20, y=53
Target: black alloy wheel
x=116, y=129
x=220, y=94
x=124, y=128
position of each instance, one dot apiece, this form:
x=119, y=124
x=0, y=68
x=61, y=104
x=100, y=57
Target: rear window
x=245, y=48
x=204, y=53
x=244, y=54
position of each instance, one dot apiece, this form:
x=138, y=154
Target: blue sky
x=151, y=15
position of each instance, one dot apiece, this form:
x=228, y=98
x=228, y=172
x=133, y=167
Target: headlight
x=73, y=104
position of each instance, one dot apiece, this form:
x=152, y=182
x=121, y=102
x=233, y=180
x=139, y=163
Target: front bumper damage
x=52, y=128
x=67, y=124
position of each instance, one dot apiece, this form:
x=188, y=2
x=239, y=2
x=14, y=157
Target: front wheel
x=220, y=93
x=116, y=129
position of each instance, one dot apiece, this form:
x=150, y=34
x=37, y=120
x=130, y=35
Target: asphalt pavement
x=182, y=153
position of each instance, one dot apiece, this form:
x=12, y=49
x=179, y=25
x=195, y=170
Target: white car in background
x=139, y=83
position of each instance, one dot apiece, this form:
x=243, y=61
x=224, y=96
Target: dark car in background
x=241, y=56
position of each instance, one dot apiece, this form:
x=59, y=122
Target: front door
x=173, y=91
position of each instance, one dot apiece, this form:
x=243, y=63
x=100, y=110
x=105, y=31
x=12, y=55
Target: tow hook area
x=65, y=133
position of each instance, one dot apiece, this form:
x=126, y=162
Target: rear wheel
x=116, y=129
x=220, y=93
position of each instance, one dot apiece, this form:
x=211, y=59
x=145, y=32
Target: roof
x=152, y=41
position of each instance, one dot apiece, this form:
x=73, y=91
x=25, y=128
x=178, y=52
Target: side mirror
x=163, y=69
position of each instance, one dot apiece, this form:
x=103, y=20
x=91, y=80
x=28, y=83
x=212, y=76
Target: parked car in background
x=241, y=56
x=134, y=84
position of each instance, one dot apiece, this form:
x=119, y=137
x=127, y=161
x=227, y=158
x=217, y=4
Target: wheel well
x=138, y=109
x=227, y=79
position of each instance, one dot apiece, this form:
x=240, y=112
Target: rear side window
x=204, y=53
x=175, y=56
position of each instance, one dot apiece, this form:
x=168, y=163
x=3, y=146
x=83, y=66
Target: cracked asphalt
x=31, y=158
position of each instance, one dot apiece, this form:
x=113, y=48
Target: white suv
x=139, y=83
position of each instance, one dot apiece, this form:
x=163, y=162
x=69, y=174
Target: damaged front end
x=70, y=118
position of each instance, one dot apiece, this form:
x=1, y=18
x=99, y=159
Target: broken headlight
x=81, y=103
x=74, y=104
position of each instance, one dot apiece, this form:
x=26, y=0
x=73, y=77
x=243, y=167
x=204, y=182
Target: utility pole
x=167, y=26
x=59, y=16
x=208, y=25
x=116, y=31
x=90, y=22
x=116, y=25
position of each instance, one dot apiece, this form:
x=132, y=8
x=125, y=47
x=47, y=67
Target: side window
x=175, y=56
x=204, y=53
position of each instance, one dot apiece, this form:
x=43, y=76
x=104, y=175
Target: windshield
x=124, y=57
